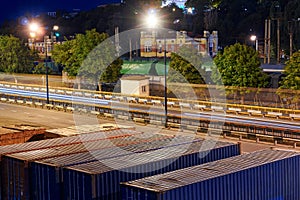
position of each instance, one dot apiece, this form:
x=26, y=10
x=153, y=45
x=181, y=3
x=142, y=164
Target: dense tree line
x=82, y=57
x=234, y=19
x=15, y=57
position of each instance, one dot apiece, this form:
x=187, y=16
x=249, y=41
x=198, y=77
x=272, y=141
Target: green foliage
x=41, y=69
x=112, y=72
x=239, y=66
x=82, y=56
x=15, y=57
x=186, y=63
x=292, y=72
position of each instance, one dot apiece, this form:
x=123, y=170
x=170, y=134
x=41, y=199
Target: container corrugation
x=101, y=135
x=91, y=145
x=80, y=158
x=37, y=188
x=102, y=178
x=265, y=174
x=14, y=164
x=66, y=141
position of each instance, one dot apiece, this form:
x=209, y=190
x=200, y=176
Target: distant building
x=71, y=14
x=51, y=14
x=153, y=43
x=179, y=3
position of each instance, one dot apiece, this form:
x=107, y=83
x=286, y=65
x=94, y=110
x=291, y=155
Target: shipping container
x=42, y=171
x=262, y=175
x=59, y=142
x=100, y=179
x=15, y=172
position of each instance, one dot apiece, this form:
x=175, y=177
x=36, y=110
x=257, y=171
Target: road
x=133, y=106
x=50, y=119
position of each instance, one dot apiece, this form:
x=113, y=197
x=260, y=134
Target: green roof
x=142, y=67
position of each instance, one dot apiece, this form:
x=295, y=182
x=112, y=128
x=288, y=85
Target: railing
x=192, y=123
x=237, y=109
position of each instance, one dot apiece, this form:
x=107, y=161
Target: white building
x=135, y=85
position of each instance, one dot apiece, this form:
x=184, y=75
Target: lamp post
x=165, y=88
x=254, y=39
x=34, y=28
x=152, y=22
x=55, y=28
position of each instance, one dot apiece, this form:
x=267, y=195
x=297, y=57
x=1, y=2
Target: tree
x=292, y=73
x=40, y=68
x=239, y=66
x=90, y=56
x=186, y=63
x=15, y=57
x=290, y=85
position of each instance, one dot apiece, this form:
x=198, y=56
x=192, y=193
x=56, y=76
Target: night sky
x=16, y=8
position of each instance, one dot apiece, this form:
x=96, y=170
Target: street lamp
x=55, y=28
x=254, y=39
x=34, y=28
x=152, y=22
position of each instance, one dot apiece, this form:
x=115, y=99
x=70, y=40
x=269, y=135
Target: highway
x=156, y=109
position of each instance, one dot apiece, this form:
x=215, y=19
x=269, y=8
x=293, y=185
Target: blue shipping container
x=16, y=167
x=262, y=175
x=101, y=179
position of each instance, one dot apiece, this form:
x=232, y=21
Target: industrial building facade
x=154, y=43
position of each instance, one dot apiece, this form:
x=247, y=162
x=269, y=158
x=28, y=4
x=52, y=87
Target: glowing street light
x=34, y=27
x=152, y=20
x=254, y=39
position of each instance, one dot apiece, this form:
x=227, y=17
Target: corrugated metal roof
x=117, y=151
x=65, y=140
x=86, y=146
x=173, y=152
x=190, y=175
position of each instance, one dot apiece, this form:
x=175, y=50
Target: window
x=160, y=49
x=148, y=48
x=143, y=88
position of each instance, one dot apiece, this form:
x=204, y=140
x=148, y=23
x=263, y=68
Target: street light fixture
x=153, y=22
x=34, y=28
x=254, y=39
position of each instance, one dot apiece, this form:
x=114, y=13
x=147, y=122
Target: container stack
x=92, y=165
x=267, y=174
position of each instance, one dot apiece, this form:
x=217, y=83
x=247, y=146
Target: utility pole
x=269, y=41
x=130, y=50
x=278, y=40
x=117, y=41
x=267, y=44
x=291, y=36
x=265, y=41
